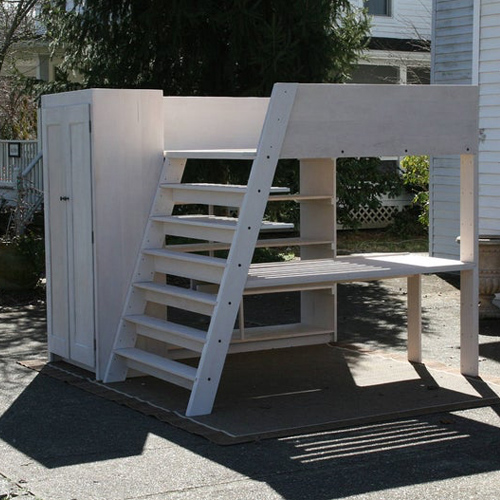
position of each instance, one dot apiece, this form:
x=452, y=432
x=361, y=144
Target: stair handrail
x=25, y=208
x=32, y=164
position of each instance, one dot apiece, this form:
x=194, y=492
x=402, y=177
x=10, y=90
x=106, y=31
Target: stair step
x=187, y=265
x=211, y=227
x=201, y=227
x=174, y=296
x=224, y=195
x=156, y=366
x=168, y=332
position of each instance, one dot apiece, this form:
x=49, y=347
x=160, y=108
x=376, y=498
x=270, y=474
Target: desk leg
x=469, y=323
x=415, y=318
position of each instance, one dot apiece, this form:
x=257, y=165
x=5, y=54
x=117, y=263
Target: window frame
x=387, y=8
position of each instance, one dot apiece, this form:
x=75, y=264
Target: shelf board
x=269, y=337
x=263, y=243
x=323, y=273
x=300, y=197
x=213, y=154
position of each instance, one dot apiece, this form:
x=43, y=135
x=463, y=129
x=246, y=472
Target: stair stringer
x=154, y=237
x=240, y=255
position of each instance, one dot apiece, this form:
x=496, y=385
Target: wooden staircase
x=157, y=260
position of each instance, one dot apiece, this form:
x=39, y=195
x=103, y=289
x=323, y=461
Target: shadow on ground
x=58, y=425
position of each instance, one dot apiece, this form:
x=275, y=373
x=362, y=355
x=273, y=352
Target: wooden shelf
x=301, y=197
x=262, y=243
x=322, y=273
x=269, y=337
x=213, y=154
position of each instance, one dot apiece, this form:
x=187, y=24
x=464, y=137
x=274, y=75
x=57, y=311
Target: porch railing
x=15, y=156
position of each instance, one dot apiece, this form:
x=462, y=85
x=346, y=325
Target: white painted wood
x=210, y=194
x=166, y=331
x=197, y=267
x=69, y=234
x=318, y=221
x=159, y=367
x=469, y=323
x=223, y=195
x=210, y=227
x=126, y=154
x=136, y=302
x=201, y=123
x=283, y=337
x=415, y=318
x=212, y=154
x=202, y=227
x=469, y=279
x=175, y=296
x=311, y=122
x=365, y=267
x=55, y=134
x=265, y=243
x=327, y=121
x=240, y=255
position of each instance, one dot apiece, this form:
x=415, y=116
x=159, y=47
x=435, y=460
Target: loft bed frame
x=316, y=124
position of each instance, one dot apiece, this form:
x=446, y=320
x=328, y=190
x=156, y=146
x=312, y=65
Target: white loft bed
x=314, y=123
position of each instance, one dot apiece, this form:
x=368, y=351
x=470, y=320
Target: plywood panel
x=194, y=123
x=329, y=120
x=127, y=137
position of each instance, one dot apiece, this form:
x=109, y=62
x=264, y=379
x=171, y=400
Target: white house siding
x=452, y=56
x=409, y=19
x=489, y=117
x=452, y=63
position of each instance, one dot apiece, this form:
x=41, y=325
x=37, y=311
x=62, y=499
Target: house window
x=367, y=73
x=378, y=7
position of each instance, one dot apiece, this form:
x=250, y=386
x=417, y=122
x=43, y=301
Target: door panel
x=71, y=248
x=57, y=234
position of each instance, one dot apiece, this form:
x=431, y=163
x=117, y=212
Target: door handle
x=64, y=198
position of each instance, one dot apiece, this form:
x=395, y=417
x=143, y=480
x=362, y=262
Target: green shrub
x=416, y=180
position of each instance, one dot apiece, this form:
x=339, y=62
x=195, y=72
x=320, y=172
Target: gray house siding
x=452, y=61
x=455, y=38
x=489, y=117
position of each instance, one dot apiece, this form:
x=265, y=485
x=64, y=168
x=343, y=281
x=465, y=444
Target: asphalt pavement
x=58, y=442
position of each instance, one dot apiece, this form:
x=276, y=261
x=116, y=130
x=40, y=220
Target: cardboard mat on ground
x=292, y=391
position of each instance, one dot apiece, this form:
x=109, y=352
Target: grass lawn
x=376, y=240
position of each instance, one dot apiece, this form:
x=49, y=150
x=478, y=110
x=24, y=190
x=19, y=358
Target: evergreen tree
x=220, y=47
x=209, y=47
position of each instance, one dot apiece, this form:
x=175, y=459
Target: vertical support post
x=415, y=318
x=469, y=279
x=318, y=222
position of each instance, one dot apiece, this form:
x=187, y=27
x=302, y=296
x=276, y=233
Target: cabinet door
x=68, y=206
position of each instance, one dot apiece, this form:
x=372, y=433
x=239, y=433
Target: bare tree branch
x=16, y=24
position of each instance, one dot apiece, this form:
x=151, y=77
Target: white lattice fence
x=381, y=217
